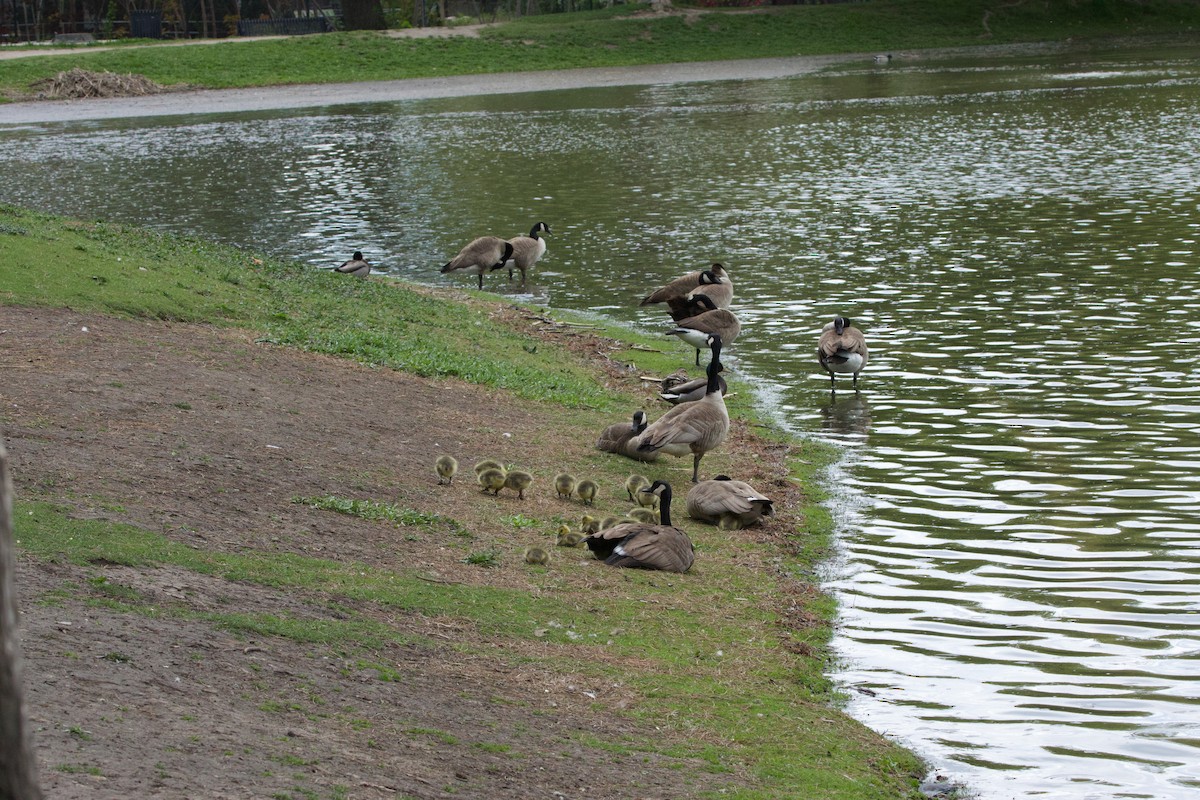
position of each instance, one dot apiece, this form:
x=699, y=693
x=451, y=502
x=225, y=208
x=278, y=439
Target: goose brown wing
x=657, y=547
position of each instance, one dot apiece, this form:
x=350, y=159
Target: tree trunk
x=363, y=15
x=18, y=770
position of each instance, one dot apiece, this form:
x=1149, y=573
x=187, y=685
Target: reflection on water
x=1018, y=503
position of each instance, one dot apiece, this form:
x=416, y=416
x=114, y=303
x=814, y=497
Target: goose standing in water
x=695, y=427
x=713, y=322
x=527, y=250
x=642, y=545
x=685, y=285
x=841, y=349
x=482, y=255
x=357, y=266
x=728, y=503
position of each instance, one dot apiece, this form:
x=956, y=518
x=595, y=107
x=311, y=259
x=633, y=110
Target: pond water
x=1019, y=501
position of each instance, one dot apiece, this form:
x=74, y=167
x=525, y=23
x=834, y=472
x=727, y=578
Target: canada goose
x=719, y=290
x=713, y=322
x=488, y=463
x=357, y=266
x=518, y=480
x=567, y=537
x=589, y=524
x=694, y=427
x=492, y=480
x=447, y=468
x=537, y=555
x=728, y=503
x=683, y=285
x=645, y=545
x=564, y=484
x=616, y=438
x=642, y=514
x=843, y=349
x=482, y=255
x=527, y=250
x=676, y=390
x=883, y=58
x=587, y=490
x=635, y=483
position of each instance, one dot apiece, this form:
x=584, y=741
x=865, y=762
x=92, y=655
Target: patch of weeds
x=78, y=769
x=490, y=747
x=521, y=521
x=483, y=558
x=373, y=510
x=386, y=674
x=183, y=406
x=79, y=733
x=441, y=736
x=117, y=658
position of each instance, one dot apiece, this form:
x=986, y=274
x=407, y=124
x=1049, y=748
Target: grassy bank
x=621, y=37
x=731, y=661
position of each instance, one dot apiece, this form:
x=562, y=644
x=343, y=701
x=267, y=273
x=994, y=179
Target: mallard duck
x=564, y=485
x=527, y=250
x=492, y=480
x=357, y=266
x=447, y=468
x=714, y=321
x=488, y=463
x=587, y=491
x=841, y=349
x=518, y=480
x=537, y=555
x=616, y=438
x=482, y=255
x=644, y=545
x=728, y=503
x=635, y=483
x=589, y=524
x=694, y=427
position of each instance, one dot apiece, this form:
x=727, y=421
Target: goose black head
x=357, y=256
x=840, y=324
x=639, y=421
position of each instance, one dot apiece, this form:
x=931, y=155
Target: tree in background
x=363, y=15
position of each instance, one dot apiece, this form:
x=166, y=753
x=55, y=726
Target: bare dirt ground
x=205, y=436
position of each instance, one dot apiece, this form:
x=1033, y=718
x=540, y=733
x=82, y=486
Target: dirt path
x=206, y=436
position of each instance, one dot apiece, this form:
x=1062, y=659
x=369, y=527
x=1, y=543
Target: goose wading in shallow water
x=683, y=285
x=644, y=545
x=527, y=250
x=695, y=427
x=482, y=255
x=842, y=349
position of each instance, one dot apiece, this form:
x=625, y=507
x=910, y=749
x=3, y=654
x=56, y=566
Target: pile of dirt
x=79, y=84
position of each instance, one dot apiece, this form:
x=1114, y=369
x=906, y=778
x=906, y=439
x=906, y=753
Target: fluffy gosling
x=537, y=555
x=634, y=485
x=587, y=490
x=447, y=468
x=518, y=480
x=488, y=463
x=564, y=485
x=589, y=524
x=492, y=480
x=642, y=514
x=567, y=537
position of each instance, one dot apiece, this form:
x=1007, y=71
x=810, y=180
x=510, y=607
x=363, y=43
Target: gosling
x=589, y=524
x=567, y=537
x=492, y=480
x=519, y=481
x=447, y=468
x=564, y=485
x=537, y=555
x=634, y=485
x=587, y=490
x=488, y=463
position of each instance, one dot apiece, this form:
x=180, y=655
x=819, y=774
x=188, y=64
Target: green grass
x=613, y=38
x=132, y=272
